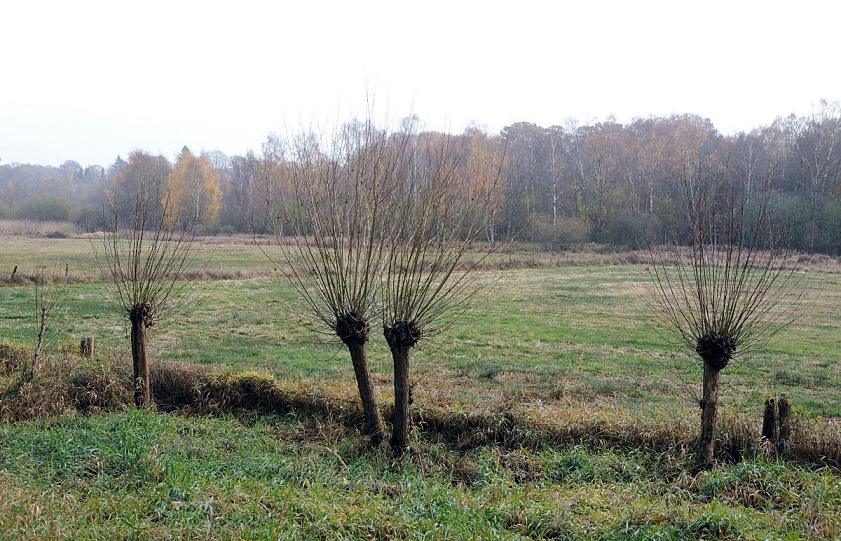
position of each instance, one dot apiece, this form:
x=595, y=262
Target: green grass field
x=149, y=475
x=555, y=334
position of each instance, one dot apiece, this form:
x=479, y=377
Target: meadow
x=568, y=332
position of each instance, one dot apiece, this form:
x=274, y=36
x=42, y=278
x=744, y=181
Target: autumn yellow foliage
x=193, y=195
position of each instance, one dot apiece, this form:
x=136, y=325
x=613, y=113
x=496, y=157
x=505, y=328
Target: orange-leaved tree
x=193, y=191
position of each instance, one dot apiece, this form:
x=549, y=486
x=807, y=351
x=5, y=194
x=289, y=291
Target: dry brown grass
x=92, y=277
x=238, y=261
x=12, y=357
x=68, y=383
x=33, y=228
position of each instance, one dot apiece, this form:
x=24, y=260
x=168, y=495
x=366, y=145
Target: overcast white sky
x=88, y=80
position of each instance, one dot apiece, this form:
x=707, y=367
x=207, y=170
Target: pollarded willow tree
x=444, y=206
x=145, y=258
x=728, y=291
x=333, y=233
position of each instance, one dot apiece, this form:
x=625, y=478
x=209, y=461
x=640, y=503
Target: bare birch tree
x=817, y=145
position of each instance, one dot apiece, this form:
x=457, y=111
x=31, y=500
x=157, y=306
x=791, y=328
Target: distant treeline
x=606, y=182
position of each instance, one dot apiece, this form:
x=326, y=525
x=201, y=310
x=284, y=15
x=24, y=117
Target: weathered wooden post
x=87, y=347
x=775, y=425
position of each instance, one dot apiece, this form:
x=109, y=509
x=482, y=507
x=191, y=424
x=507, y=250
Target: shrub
x=45, y=208
x=562, y=235
x=630, y=230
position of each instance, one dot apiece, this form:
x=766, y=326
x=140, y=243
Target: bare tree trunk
x=814, y=221
x=651, y=196
x=709, y=413
x=42, y=329
x=198, y=202
x=373, y=419
x=142, y=392
x=402, y=392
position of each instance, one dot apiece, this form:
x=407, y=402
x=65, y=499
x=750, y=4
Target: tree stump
x=775, y=425
x=87, y=347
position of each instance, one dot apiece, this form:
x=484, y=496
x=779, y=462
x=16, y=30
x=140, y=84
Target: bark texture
x=140, y=364
x=775, y=424
x=373, y=420
x=709, y=412
x=87, y=346
x=401, y=337
x=402, y=399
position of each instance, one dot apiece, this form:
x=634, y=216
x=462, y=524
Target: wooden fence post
x=775, y=424
x=87, y=347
